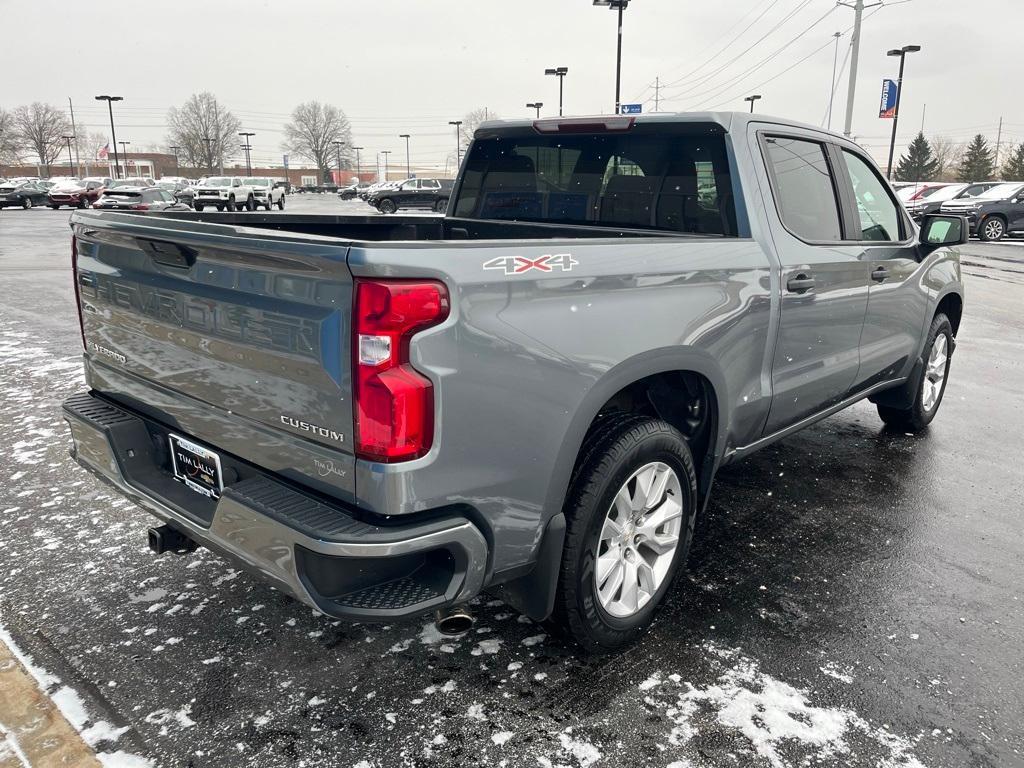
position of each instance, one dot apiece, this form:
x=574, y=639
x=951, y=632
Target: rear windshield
x=673, y=178
x=122, y=193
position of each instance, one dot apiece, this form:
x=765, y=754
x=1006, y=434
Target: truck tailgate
x=200, y=322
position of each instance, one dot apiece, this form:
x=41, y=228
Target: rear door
x=886, y=242
x=824, y=281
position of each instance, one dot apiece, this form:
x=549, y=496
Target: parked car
x=352, y=191
x=530, y=395
x=285, y=185
x=267, y=193
x=132, y=181
x=919, y=190
x=225, y=193
x=995, y=213
x=23, y=194
x=78, y=194
x=931, y=203
x=432, y=194
x=139, y=199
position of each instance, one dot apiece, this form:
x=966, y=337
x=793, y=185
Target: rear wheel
x=992, y=229
x=387, y=205
x=198, y=207
x=280, y=203
x=55, y=207
x=231, y=204
x=250, y=203
x=441, y=206
x=937, y=358
x=630, y=515
x=26, y=203
x=82, y=202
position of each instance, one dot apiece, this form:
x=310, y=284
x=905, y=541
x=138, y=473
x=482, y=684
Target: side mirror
x=938, y=231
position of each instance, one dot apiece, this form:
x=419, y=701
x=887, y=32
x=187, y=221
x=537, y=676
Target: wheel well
x=684, y=399
x=952, y=306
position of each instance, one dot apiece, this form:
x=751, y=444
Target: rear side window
x=670, y=178
x=804, y=189
x=876, y=210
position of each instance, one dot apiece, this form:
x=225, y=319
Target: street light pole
x=110, y=100
x=248, y=158
x=619, y=6
x=175, y=150
x=385, y=152
x=902, y=53
x=458, y=143
x=752, y=98
x=535, y=105
x=832, y=90
x=560, y=73
x=209, y=152
x=71, y=167
x=337, y=150
x=124, y=154
x=408, y=163
x=358, y=168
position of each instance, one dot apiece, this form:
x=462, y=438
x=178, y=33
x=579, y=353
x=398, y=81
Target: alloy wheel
x=935, y=373
x=638, y=539
x=993, y=229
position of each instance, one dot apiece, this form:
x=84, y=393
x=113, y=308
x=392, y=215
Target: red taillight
x=394, y=403
x=140, y=207
x=78, y=294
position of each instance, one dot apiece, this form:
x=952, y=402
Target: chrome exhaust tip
x=454, y=620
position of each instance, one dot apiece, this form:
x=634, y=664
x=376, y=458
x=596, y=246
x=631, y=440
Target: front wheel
x=26, y=203
x=231, y=204
x=630, y=515
x=198, y=207
x=938, y=353
x=992, y=229
x=441, y=206
x=55, y=207
x=280, y=203
x=250, y=203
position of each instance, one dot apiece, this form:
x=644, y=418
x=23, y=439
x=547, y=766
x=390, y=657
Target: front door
x=824, y=282
x=897, y=299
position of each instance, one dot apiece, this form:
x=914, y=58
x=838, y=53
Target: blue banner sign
x=888, y=106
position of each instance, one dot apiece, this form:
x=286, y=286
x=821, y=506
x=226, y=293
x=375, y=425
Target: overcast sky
x=399, y=66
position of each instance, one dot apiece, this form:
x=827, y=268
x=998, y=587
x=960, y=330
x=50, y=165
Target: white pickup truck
x=225, y=193
x=267, y=191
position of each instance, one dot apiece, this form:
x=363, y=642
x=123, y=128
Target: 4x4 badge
x=517, y=265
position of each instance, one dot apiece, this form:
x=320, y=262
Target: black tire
x=992, y=229
x=83, y=203
x=26, y=203
x=919, y=416
x=387, y=205
x=55, y=207
x=230, y=206
x=250, y=203
x=440, y=206
x=198, y=207
x=280, y=203
x=618, y=447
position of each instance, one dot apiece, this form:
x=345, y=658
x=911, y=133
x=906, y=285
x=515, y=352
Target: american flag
x=104, y=151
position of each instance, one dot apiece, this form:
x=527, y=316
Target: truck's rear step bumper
x=314, y=551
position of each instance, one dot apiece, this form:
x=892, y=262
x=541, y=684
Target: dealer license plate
x=196, y=466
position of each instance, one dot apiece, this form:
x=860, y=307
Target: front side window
x=804, y=188
x=646, y=178
x=877, y=212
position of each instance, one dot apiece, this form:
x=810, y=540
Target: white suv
x=267, y=192
x=225, y=193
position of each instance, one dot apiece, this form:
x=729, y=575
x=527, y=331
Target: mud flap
x=533, y=595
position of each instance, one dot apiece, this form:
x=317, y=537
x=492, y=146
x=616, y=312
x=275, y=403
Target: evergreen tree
x=919, y=164
x=1013, y=169
x=977, y=163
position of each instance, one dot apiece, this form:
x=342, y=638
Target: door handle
x=800, y=283
x=880, y=274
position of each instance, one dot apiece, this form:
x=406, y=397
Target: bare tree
x=471, y=121
x=10, y=140
x=205, y=130
x=947, y=154
x=311, y=134
x=40, y=128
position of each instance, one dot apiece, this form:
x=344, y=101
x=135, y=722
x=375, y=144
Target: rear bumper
x=316, y=552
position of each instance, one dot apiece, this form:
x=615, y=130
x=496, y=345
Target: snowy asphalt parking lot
x=856, y=600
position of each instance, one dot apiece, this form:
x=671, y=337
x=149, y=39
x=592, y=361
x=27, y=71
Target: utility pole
x=458, y=143
x=657, y=92
x=385, y=152
x=175, y=150
x=999, y=141
x=832, y=90
x=337, y=150
x=408, y=163
x=71, y=168
x=124, y=154
x=851, y=91
x=74, y=131
x=358, y=168
x=209, y=153
x=247, y=135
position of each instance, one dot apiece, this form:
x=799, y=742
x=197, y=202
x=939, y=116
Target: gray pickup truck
x=385, y=416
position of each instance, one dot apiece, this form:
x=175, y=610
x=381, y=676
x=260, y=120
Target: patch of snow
x=491, y=645
x=584, y=752
x=501, y=737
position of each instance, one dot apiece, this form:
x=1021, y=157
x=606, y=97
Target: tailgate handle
x=169, y=254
